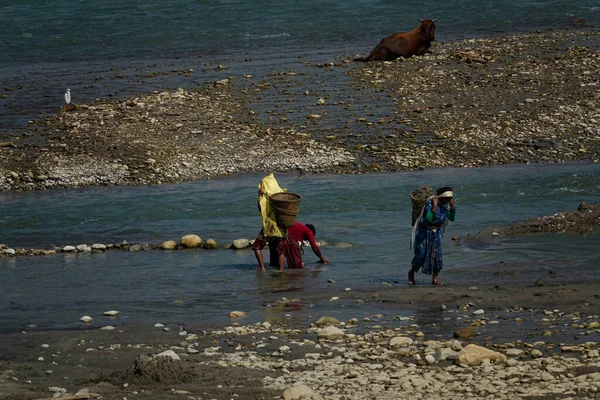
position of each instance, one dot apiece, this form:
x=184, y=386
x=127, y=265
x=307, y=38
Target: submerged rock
x=211, y=244
x=241, y=244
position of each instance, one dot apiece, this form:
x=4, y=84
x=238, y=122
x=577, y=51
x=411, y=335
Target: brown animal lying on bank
x=404, y=44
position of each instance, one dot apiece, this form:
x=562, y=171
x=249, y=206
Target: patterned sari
x=427, y=244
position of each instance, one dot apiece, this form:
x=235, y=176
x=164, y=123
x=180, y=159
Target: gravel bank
x=509, y=99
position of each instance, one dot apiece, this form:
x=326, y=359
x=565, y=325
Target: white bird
x=68, y=96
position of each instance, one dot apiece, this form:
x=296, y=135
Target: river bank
x=540, y=349
x=530, y=98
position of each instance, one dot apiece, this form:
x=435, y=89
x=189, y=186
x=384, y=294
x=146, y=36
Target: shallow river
x=363, y=219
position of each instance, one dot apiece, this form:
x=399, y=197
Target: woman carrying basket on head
x=427, y=234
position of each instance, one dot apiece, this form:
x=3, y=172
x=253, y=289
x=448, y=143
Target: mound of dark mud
x=148, y=370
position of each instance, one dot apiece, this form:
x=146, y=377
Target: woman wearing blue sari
x=427, y=234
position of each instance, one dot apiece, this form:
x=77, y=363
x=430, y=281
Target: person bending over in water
x=293, y=246
x=288, y=249
x=428, y=232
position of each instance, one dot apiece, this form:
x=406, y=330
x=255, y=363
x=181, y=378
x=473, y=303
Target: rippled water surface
x=116, y=48
x=364, y=219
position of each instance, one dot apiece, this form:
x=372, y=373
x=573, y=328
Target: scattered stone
x=237, y=314
x=191, y=241
x=239, y=244
x=401, y=341
x=473, y=355
x=168, y=245
x=169, y=354
x=465, y=333
x=327, y=321
x=111, y=313
x=86, y=319
x=298, y=392
x=107, y=328
x=211, y=244
x=330, y=332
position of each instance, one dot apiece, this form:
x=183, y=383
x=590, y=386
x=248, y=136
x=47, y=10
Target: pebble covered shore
x=530, y=98
x=379, y=357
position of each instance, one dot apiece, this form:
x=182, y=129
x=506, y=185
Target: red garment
x=291, y=247
x=300, y=233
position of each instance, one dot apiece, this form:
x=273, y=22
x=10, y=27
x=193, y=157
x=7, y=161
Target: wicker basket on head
x=419, y=197
x=286, y=207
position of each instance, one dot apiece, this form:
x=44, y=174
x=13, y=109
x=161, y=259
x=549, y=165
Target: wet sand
x=557, y=318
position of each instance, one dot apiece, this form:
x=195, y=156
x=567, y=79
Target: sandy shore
x=509, y=99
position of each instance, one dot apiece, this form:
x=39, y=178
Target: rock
x=327, y=321
x=191, y=241
x=111, y=313
x=445, y=354
x=535, y=353
x=237, y=314
x=429, y=359
x=135, y=247
x=473, y=355
x=478, y=312
x=401, y=341
x=10, y=252
x=330, y=332
x=69, y=249
x=514, y=353
x=170, y=354
x=298, y=392
x=168, y=245
x=593, y=325
x=465, y=333
x=210, y=244
x=546, y=376
x=240, y=244
x=86, y=319
x=84, y=248
x=107, y=328
x=99, y=247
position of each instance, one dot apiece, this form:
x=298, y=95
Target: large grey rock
x=191, y=241
x=473, y=355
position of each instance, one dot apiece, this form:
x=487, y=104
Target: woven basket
x=286, y=207
x=419, y=197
